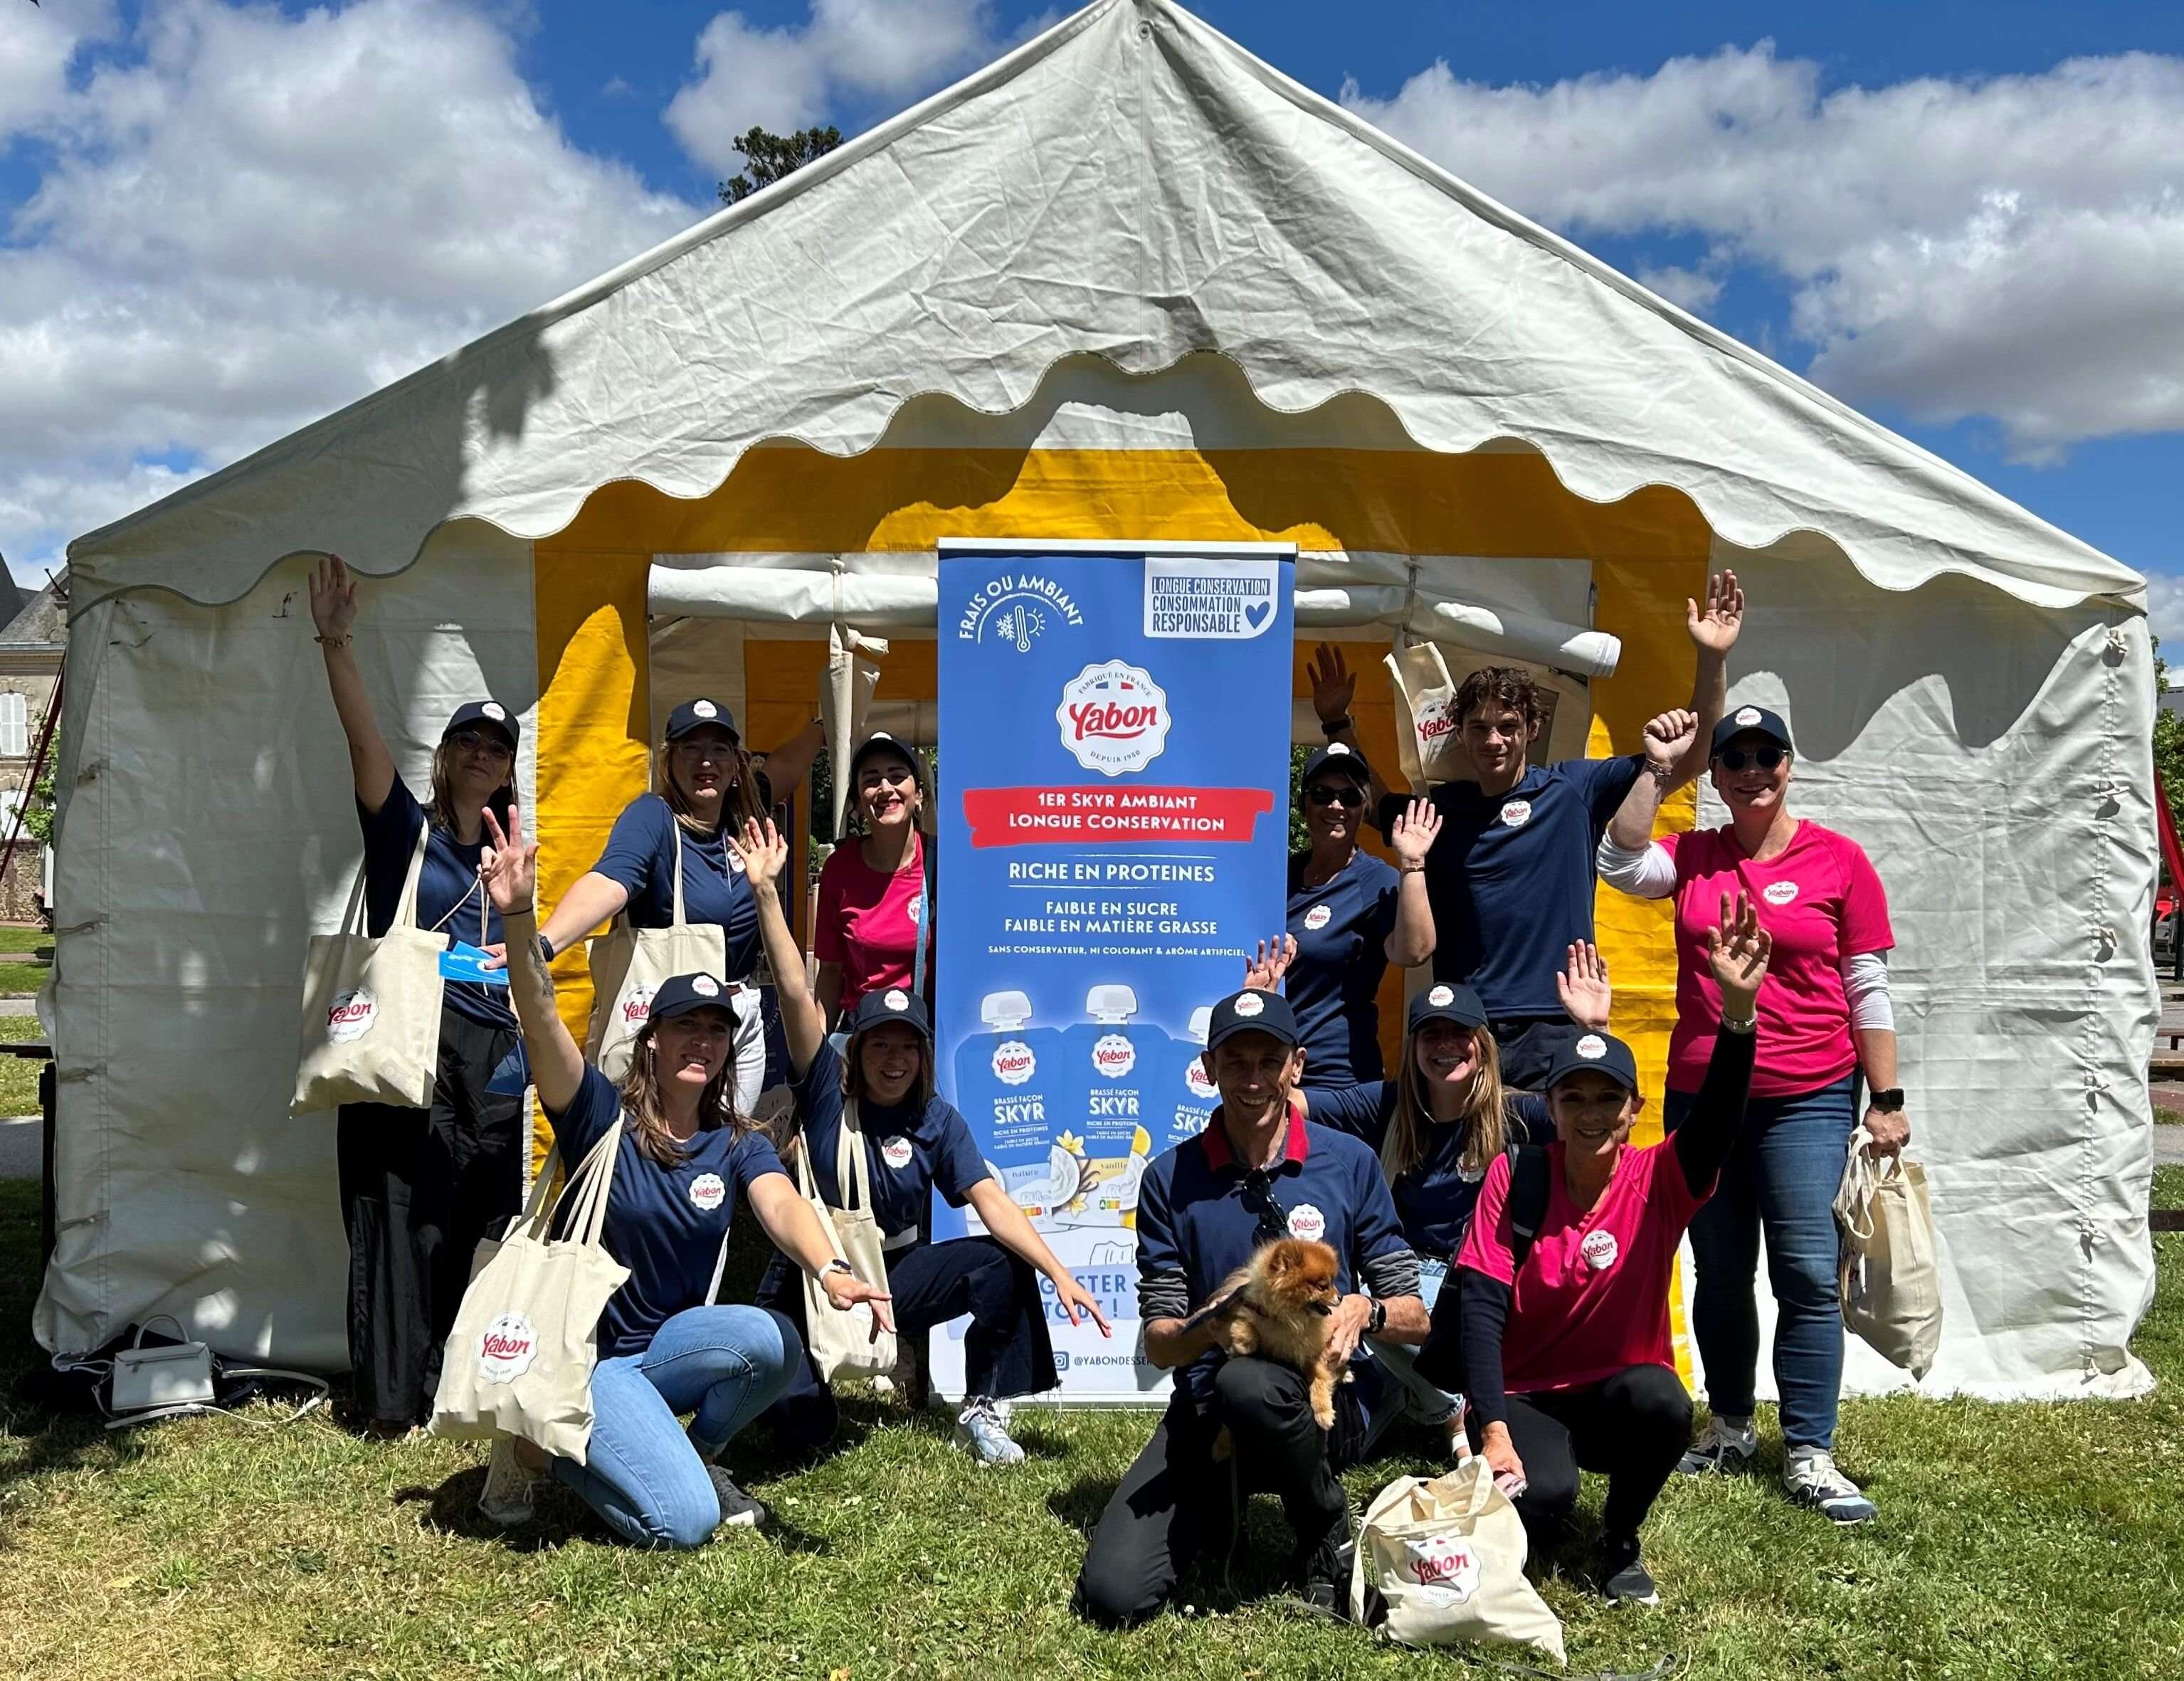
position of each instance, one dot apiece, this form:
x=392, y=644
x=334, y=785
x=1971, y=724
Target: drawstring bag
x=371, y=1029
x=842, y=1345
x=1441, y=1561
x=628, y=967
x=1892, y=1284
x=519, y=1362
x=1431, y=750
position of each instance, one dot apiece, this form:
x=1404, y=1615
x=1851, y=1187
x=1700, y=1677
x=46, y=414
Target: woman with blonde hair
x=706, y=787
x=420, y=1187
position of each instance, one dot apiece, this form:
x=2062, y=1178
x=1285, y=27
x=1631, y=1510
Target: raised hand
x=507, y=865
x=1415, y=833
x=1583, y=986
x=1737, y=952
x=1669, y=737
x=1264, y=968
x=763, y=853
x=1715, y=630
x=333, y=596
x=1333, y=685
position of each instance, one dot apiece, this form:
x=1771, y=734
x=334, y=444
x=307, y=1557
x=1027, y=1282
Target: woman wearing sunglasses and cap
x=915, y=1142
x=1827, y=1021
x=876, y=890
x=689, y=1158
x=1563, y=1276
x=1350, y=915
x=705, y=787
x=420, y=1187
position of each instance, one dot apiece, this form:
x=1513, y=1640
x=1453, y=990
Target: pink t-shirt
x=1823, y=903
x=1594, y=1296
x=867, y=922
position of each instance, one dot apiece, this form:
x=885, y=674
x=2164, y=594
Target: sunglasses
x=1323, y=794
x=477, y=741
x=1766, y=758
x=1259, y=1197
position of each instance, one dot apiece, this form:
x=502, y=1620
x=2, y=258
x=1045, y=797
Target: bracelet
x=1410, y=869
x=1749, y=1025
x=1662, y=774
x=530, y=910
x=333, y=642
x=837, y=1265
x=1332, y=727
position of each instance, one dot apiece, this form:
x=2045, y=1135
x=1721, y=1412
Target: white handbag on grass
x=842, y=1345
x=519, y=1362
x=371, y=1029
x=628, y=967
x=1442, y=1562
x=1891, y=1282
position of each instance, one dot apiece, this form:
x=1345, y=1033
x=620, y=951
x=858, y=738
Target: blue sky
x=223, y=221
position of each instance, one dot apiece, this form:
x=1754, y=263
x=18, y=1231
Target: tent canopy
x=1129, y=185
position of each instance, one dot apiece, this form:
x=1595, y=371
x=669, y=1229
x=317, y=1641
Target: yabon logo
x=637, y=1008
x=1201, y=1084
x=1445, y=1563
x=507, y=1349
x=1114, y=718
x=1433, y=719
x=1113, y=1056
x=1013, y=1062
x=351, y=1014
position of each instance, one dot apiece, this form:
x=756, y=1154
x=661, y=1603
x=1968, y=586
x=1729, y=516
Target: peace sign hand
x=509, y=867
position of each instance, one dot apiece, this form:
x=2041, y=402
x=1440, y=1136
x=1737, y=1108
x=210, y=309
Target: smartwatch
x=545, y=948
x=1889, y=1102
x=838, y=1265
x=1378, y=1322
x=1332, y=727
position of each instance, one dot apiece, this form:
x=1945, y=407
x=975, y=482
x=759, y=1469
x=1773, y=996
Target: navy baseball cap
x=1252, y=1011
x=1443, y=1002
x=490, y=714
x=680, y=994
x=879, y=741
x=696, y=714
x=1602, y=1053
x=891, y=1004
x=1339, y=757
x=1757, y=719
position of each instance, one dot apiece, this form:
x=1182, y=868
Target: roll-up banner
x=1115, y=734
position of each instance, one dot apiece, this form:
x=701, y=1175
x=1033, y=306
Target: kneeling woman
x=915, y=1142
x=1565, y=1302
x=662, y=1349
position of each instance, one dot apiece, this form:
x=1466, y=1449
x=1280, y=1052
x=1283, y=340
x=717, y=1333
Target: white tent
x=1126, y=282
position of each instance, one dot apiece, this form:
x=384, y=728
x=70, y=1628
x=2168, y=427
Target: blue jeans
x=1780, y=1180
x=644, y=1475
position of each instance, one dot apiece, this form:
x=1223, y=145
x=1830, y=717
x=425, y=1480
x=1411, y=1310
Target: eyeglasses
x=1767, y=758
x=1322, y=793
x=475, y=741
x=697, y=752
x=1259, y=1196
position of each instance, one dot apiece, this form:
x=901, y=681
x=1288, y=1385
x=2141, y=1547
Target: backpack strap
x=1528, y=1186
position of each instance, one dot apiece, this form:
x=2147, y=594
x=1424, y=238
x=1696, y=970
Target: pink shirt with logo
x=1593, y=1297
x=867, y=922
x=1823, y=903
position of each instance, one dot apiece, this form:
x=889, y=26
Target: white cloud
x=2005, y=247
x=250, y=219
x=1690, y=289
x=787, y=79
x=2164, y=613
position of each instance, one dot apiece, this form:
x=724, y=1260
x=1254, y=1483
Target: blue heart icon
x=1255, y=617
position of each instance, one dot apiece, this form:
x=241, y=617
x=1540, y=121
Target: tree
x=771, y=156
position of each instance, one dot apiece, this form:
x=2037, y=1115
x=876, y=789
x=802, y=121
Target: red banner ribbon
x=1096, y=816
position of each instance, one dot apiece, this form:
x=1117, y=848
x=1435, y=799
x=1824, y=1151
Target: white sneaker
x=980, y=1427
x=506, y=1499
x=1725, y=1444
x=1810, y=1476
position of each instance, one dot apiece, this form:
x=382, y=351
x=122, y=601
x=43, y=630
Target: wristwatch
x=545, y=948
x=1332, y=727
x=1378, y=1322
x=1889, y=1102
x=838, y=1265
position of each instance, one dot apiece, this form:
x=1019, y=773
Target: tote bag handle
x=853, y=1172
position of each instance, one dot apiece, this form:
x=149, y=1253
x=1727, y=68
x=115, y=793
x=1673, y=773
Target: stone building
x=31, y=645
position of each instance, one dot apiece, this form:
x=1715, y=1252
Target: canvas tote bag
x=1431, y=749
x=371, y=1007
x=519, y=1362
x=1891, y=1286
x=1442, y=1562
x=842, y=1345
x=628, y=967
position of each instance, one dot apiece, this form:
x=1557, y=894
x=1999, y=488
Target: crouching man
x=1240, y=1425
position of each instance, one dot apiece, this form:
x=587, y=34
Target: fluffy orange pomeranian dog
x=1280, y=1305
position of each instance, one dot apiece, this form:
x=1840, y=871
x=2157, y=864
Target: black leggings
x=1633, y=1426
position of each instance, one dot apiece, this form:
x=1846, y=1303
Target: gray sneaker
x=505, y=1500
x=1810, y=1476
x=981, y=1429
x=1725, y=1444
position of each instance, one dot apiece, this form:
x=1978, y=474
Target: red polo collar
x=1214, y=1140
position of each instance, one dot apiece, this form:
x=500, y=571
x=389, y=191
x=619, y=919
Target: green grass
x=2014, y=1541
x=22, y=980
x=19, y=1077
x=2168, y=1117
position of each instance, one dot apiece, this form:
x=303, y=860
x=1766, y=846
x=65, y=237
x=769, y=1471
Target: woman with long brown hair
x=664, y=1348
x=705, y=787
x=420, y=1187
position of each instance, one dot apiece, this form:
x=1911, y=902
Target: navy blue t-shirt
x=1196, y=1217
x=1434, y=1199
x=450, y=894
x=1341, y=929
x=909, y=1155
x=1510, y=877
x=640, y=856
x=666, y=1224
